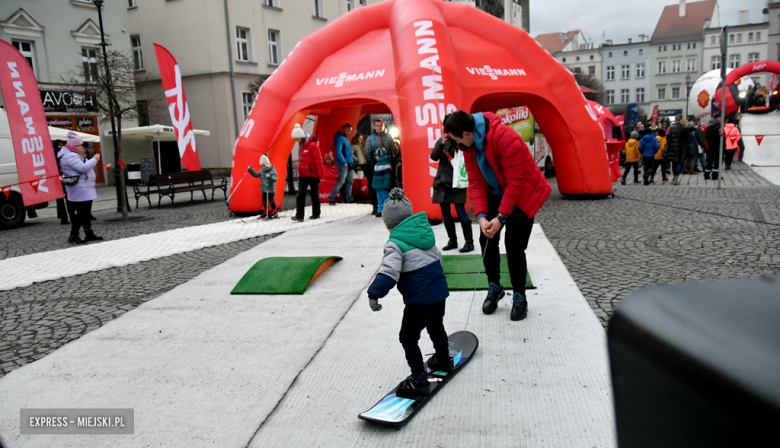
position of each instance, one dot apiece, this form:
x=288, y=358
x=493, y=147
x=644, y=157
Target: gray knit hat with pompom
x=397, y=208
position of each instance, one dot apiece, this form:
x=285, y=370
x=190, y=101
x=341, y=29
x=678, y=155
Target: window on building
x=143, y=112
x=318, y=9
x=734, y=61
x=694, y=45
x=89, y=59
x=577, y=58
x=713, y=40
x=675, y=93
x=625, y=72
x=610, y=97
x=610, y=73
x=591, y=57
x=753, y=57
x=28, y=51
x=640, y=95
x=731, y=38
x=273, y=47
x=247, y=98
x=640, y=70
x=138, y=54
x=750, y=37
x=739, y=37
x=691, y=65
x=624, y=96
x=350, y=5
x=758, y=35
x=577, y=69
x=689, y=45
x=661, y=94
x=272, y=3
x=641, y=51
x=564, y=59
x=661, y=67
x=131, y=4
x=715, y=63
x=659, y=48
x=625, y=52
x=664, y=47
x=676, y=66
x=609, y=55
x=242, y=44
x=591, y=69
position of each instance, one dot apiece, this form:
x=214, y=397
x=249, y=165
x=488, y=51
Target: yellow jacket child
x=632, y=148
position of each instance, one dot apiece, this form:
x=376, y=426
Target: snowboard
x=395, y=411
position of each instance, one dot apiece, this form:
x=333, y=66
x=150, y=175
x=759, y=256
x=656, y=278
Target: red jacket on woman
x=518, y=175
x=310, y=159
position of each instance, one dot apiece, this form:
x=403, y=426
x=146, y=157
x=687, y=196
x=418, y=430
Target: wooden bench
x=168, y=184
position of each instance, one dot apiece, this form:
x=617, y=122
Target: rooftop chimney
x=641, y=38
x=629, y=40
x=609, y=41
x=766, y=14
x=743, y=17
x=682, y=8
x=563, y=37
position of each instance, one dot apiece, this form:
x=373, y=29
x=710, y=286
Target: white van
x=12, y=210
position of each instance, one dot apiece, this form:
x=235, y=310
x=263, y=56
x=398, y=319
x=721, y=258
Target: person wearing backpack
x=444, y=151
x=378, y=139
x=648, y=147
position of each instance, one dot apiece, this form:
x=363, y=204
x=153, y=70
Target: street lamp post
x=687, y=93
x=121, y=198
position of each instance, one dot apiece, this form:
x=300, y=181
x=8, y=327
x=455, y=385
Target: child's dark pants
x=417, y=317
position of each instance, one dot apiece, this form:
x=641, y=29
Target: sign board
x=520, y=119
x=632, y=112
x=669, y=112
x=67, y=102
x=148, y=168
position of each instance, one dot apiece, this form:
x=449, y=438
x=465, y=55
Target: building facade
x=626, y=69
x=772, y=17
x=747, y=43
x=60, y=41
x=676, y=53
x=586, y=60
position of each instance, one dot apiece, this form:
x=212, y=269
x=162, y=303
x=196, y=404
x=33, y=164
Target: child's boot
x=440, y=366
x=414, y=386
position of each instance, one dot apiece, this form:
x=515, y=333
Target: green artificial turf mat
x=466, y=264
x=282, y=275
x=466, y=281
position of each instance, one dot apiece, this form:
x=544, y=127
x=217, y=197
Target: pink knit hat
x=74, y=140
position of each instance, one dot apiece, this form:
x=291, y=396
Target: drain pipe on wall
x=232, y=72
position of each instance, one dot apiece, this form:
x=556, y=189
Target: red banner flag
x=7, y=191
x=655, y=114
x=108, y=166
x=759, y=138
x=35, y=184
x=177, y=106
x=122, y=164
x=35, y=159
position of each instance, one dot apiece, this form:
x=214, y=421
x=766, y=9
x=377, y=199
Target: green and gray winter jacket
x=413, y=262
x=267, y=184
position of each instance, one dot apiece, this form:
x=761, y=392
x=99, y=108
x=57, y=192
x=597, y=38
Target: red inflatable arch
x=419, y=60
x=731, y=79
x=607, y=121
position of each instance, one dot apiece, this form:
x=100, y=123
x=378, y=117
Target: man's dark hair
x=346, y=125
x=459, y=122
x=379, y=120
x=661, y=133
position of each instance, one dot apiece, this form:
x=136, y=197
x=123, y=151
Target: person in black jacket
x=712, y=169
x=443, y=194
x=695, y=141
x=677, y=144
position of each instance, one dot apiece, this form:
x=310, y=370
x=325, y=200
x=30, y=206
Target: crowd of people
x=685, y=147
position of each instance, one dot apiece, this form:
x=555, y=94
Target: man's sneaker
x=519, y=307
x=414, y=386
x=438, y=366
x=622, y=181
x=74, y=239
x=297, y=219
x=332, y=203
x=637, y=181
x=665, y=178
x=314, y=217
x=495, y=293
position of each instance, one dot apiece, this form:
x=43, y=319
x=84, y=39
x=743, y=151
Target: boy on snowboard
x=413, y=262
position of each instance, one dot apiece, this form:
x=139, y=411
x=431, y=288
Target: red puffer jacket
x=518, y=175
x=310, y=159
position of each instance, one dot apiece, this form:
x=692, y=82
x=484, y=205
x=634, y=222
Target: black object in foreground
x=395, y=411
x=698, y=365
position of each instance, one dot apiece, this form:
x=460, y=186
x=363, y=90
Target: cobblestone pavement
x=46, y=233
x=665, y=234
x=38, y=319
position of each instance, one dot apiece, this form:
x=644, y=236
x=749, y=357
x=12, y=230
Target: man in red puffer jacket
x=506, y=184
x=310, y=173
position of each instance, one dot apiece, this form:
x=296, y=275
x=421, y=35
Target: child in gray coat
x=268, y=180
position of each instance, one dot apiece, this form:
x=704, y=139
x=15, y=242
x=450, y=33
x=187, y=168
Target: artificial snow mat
x=282, y=275
x=461, y=272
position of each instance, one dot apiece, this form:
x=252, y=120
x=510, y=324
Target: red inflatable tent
x=419, y=60
x=731, y=79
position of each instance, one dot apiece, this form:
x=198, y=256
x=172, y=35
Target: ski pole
x=234, y=190
x=476, y=284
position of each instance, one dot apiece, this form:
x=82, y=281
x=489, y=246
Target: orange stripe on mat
x=323, y=267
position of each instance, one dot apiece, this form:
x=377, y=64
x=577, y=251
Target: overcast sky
x=620, y=19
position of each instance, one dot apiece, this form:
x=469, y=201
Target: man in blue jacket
x=648, y=146
x=343, y=150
